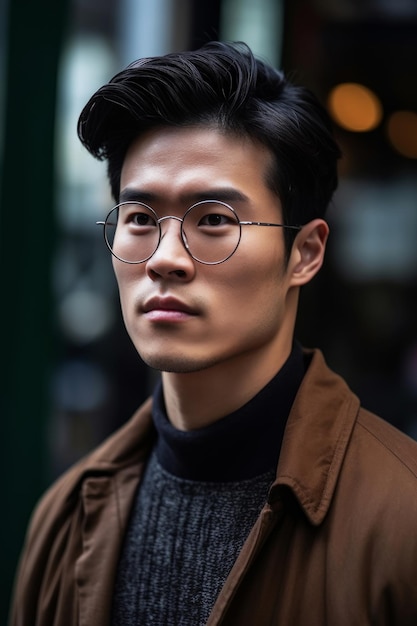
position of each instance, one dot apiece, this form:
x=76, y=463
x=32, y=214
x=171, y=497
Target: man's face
x=181, y=315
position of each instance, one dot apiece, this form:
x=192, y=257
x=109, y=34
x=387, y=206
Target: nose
x=171, y=259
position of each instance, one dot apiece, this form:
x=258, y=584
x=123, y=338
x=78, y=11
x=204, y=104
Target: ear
x=307, y=253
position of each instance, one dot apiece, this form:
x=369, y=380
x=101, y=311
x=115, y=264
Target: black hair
x=221, y=85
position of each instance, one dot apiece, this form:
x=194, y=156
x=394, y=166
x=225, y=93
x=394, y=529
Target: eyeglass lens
x=210, y=231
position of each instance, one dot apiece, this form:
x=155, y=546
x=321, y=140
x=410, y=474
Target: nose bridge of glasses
x=170, y=217
x=178, y=234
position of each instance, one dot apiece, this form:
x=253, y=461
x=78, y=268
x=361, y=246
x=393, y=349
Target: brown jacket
x=336, y=543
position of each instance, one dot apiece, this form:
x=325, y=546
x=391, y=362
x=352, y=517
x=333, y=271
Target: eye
x=141, y=223
x=136, y=217
x=142, y=219
x=215, y=219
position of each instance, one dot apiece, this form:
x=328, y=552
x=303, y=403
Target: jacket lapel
x=108, y=489
x=106, y=502
x=314, y=445
x=315, y=439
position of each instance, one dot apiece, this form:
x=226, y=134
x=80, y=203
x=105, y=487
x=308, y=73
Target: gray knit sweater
x=182, y=543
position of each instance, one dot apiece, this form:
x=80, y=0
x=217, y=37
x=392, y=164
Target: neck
x=243, y=444
x=197, y=399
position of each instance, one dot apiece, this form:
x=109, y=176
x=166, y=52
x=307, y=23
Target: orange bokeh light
x=355, y=107
x=402, y=133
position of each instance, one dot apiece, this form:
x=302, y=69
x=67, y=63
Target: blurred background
x=69, y=374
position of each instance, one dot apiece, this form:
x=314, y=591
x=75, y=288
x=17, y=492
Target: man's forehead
x=195, y=158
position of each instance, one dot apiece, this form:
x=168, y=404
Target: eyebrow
x=224, y=194
x=135, y=195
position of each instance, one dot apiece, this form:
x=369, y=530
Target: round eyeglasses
x=210, y=231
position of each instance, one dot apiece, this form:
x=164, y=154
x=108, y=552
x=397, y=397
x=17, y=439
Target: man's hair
x=223, y=86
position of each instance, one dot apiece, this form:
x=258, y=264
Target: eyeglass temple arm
x=269, y=224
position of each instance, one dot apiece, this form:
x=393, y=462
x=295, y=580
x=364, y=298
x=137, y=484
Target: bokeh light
x=355, y=107
x=402, y=133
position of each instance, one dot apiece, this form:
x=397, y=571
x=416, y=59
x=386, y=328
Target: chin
x=178, y=364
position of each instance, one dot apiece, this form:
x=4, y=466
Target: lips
x=167, y=304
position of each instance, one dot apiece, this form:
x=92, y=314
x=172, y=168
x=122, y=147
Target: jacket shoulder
x=387, y=443
x=125, y=446
x=106, y=478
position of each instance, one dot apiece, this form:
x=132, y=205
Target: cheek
x=254, y=286
x=126, y=277
x=262, y=266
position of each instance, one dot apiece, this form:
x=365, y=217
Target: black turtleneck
x=242, y=445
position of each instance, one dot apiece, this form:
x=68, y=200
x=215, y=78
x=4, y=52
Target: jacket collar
x=315, y=439
x=125, y=451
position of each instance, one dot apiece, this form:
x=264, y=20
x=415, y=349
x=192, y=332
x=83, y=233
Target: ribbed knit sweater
x=199, y=498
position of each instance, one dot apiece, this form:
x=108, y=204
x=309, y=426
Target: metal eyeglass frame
x=158, y=221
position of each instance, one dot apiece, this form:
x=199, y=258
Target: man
x=253, y=489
